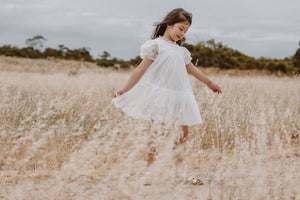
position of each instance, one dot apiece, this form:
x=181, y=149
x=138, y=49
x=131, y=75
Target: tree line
x=204, y=54
x=34, y=49
x=210, y=53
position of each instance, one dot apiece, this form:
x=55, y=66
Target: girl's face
x=176, y=31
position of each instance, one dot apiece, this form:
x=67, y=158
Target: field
x=62, y=138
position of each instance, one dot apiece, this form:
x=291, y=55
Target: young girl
x=159, y=88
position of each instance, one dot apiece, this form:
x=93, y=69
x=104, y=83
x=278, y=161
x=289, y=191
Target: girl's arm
x=192, y=69
x=136, y=75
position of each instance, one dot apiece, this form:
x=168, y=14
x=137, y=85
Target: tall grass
x=61, y=138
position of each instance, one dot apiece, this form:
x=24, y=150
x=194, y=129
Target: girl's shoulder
x=150, y=42
x=150, y=49
x=185, y=50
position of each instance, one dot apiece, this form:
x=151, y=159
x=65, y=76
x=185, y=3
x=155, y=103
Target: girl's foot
x=147, y=179
x=195, y=181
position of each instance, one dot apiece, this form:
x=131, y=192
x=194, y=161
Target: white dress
x=164, y=92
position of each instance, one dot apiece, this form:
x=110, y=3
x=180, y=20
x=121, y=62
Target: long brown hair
x=177, y=15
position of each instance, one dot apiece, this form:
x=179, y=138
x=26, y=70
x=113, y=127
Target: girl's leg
x=180, y=156
x=152, y=145
x=179, y=146
x=185, y=130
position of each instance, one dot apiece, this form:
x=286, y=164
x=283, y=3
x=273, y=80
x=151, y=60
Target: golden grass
x=61, y=137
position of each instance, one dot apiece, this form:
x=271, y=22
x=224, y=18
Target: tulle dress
x=164, y=92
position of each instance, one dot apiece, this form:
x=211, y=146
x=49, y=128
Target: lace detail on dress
x=149, y=49
x=187, y=56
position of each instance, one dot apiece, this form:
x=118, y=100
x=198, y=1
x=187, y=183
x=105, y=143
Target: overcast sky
x=258, y=28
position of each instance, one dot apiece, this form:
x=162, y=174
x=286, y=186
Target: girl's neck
x=167, y=39
x=167, y=36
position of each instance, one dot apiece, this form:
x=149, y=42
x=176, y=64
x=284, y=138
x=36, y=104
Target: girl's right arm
x=136, y=75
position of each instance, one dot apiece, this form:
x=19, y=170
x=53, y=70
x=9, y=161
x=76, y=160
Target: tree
x=296, y=61
x=37, y=42
x=63, y=49
x=211, y=43
x=296, y=58
x=105, y=55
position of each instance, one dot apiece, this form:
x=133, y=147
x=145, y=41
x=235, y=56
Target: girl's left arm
x=192, y=69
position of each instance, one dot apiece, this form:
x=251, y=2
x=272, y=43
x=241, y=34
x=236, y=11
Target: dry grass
x=61, y=137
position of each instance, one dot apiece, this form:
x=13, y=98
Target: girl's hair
x=175, y=16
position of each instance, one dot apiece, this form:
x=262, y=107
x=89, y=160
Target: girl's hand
x=119, y=93
x=214, y=87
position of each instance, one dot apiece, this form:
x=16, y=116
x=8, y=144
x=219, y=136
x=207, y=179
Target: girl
x=159, y=88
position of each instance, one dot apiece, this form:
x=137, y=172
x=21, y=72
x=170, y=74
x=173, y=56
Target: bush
x=105, y=63
x=52, y=53
x=124, y=65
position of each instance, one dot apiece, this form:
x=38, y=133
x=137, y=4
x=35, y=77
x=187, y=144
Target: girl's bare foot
x=195, y=181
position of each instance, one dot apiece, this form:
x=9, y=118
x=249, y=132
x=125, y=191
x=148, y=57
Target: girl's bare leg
x=151, y=146
x=179, y=146
x=185, y=130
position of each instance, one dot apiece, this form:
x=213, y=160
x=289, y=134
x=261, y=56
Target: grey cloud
x=269, y=28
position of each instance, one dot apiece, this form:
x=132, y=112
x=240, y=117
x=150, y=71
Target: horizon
x=112, y=56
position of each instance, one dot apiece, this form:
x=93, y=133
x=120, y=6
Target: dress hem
x=168, y=124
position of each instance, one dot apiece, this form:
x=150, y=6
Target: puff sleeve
x=149, y=49
x=186, y=56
